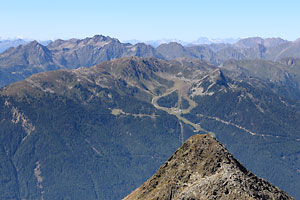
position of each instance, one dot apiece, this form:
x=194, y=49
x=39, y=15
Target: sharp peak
x=34, y=43
x=204, y=137
x=199, y=169
x=198, y=137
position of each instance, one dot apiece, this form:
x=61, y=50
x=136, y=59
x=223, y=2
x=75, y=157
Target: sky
x=144, y=20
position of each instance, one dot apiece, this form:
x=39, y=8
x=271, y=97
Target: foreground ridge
x=202, y=168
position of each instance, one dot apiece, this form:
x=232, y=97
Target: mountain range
x=14, y=42
x=8, y=43
x=199, y=41
x=100, y=132
x=80, y=117
x=22, y=61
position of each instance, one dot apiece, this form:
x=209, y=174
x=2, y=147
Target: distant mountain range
x=199, y=41
x=8, y=43
x=20, y=62
x=100, y=132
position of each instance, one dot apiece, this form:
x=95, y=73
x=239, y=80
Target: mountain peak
x=101, y=38
x=251, y=42
x=34, y=44
x=202, y=168
x=218, y=77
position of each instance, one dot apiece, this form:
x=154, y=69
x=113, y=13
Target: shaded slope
x=61, y=139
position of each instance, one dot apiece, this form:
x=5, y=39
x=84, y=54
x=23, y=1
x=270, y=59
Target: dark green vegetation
x=84, y=152
x=259, y=128
x=64, y=127
x=95, y=134
x=184, y=104
x=169, y=101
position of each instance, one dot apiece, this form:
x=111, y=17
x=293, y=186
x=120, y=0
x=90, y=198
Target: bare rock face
x=203, y=169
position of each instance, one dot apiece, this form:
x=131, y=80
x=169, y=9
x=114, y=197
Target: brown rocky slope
x=202, y=168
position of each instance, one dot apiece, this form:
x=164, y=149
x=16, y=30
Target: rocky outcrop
x=202, y=168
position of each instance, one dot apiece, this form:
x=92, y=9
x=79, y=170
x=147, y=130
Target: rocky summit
x=202, y=168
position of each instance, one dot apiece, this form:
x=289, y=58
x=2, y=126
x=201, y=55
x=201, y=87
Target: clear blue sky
x=149, y=19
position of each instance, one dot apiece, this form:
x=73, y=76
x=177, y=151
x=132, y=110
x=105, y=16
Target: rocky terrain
x=203, y=169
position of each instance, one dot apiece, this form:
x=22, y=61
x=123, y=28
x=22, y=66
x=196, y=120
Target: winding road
x=181, y=87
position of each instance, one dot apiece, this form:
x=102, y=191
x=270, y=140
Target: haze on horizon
x=151, y=20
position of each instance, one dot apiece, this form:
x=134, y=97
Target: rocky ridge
x=203, y=169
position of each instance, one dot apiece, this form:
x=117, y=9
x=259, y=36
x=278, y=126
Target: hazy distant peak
x=6, y=44
x=205, y=40
x=172, y=44
x=253, y=42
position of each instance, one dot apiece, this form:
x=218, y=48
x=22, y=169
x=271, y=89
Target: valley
x=182, y=87
x=101, y=123
x=149, y=100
